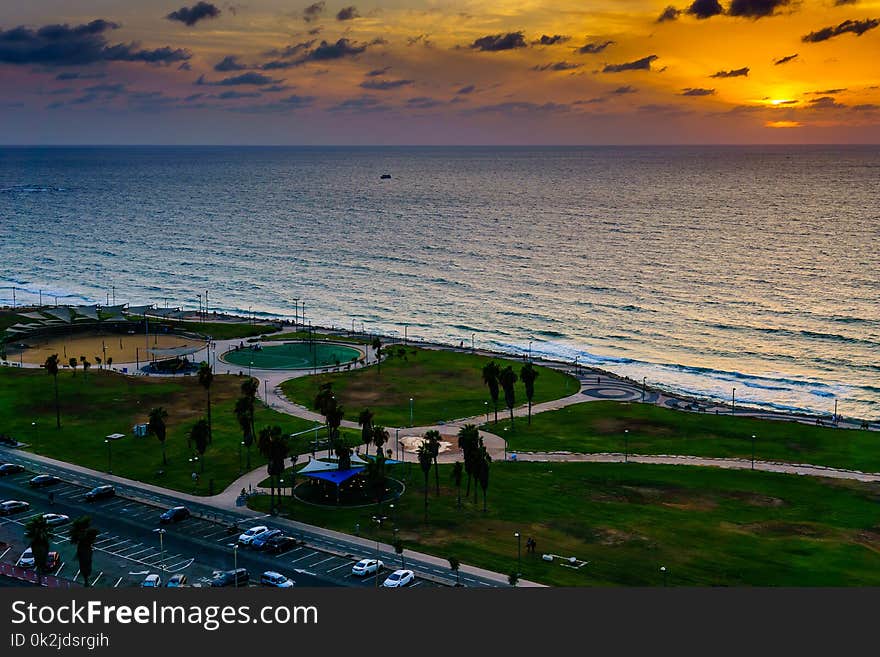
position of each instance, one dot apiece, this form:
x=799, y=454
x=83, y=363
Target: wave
x=31, y=189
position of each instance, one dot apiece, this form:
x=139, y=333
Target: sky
x=439, y=72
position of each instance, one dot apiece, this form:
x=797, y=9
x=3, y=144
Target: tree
x=273, y=446
x=527, y=375
x=98, y=361
x=398, y=548
x=244, y=414
x=206, y=378
x=484, y=460
x=156, y=427
x=468, y=440
x=86, y=365
x=454, y=565
x=343, y=454
x=376, y=479
x=380, y=436
x=83, y=536
x=109, y=361
x=335, y=414
x=507, y=378
x=377, y=347
x=457, y=476
x=432, y=437
x=72, y=362
x=491, y=372
x=365, y=420
x=51, y=366
x=37, y=532
x=249, y=389
x=425, y=461
x=513, y=578
x=200, y=435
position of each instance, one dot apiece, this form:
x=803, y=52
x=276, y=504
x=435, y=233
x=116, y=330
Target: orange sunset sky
x=439, y=72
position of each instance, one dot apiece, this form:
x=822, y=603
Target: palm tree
x=377, y=347
x=334, y=415
x=432, y=437
x=200, y=435
x=156, y=427
x=468, y=438
x=483, y=474
x=86, y=365
x=72, y=362
x=365, y=420
x=425, y=461
x=249, y=389
x=244, y=414
x=52, y=370
x=37, y=532
x=457, y=476
x=343, y=454
x=206, y=378
x=513, y=578
x=491, y=372
x=109, y=361
x=398, y=548
x=454, y=565
x=376, y=478
x=527, y=375
x=83, y=536
x=380, y=437
x=273, y=446
x=507, y=378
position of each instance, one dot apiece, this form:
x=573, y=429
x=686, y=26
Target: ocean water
x=699, y=268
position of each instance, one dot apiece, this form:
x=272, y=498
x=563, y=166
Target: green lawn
x=321, y=337
x=221, y=330
x=103, y=403
x=444, y=385
x=599, y=427
x=706, y=526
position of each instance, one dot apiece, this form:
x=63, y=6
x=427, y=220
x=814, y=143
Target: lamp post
x=240, y=445
x=235, y=564
x=36, y=436
x=250, y=365
x=472, y=343
x=397, y=439
x=486, y=404
x=753, y=451
x=109, y=456
x=664, y=571
x=161, y=533
x=281, y=493
x=626, y=445
x=576, y=365
x=530, y=351
x=410, y=411
x=644, y=387
x=518, y=552
x=378, y=520
x=733, y=403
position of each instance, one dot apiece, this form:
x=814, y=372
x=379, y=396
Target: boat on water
x=386, y=176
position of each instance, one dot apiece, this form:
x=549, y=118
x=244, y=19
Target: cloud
x=117, y=88
x=594, y=48
x=755, y=8
x=826, y=92
x=669, y=14
x=826, y=102
x=325, y=51
x=854, y=26
x=290, y=51
x=556, y=66
x=347, y=14
x=275, y=88
x=298, y=101
x=866, y=107
x=520, y=107
x=79, y=45
x=423, y=102
x=548, y=40
x=840, y=3
x=192, y=15
x=377, y=72
x=691, y=91
x=734, y=73
x=386, y=85
x=625, y=90
x=785, y=60
x=252, y=78
x=705, y=8
x=229, y=63
x=71, y=75
x=469, y=89
x=313, y=12
x=643, y=64
x=235, y=95
x=497, y=42
x=365, y=104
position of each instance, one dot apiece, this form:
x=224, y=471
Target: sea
x=699, y=269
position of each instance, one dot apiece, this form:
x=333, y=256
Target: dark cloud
x=755, y=8
x=625, y=90
x=669, y=14
x=548, y=40
x=520, y=107
x=826, y=92
x=71, y=75
x=420, y=39
x=469, y=89
x=377, y=72
x=275, y=88
x=497, y=42
x=594, y=48
x=826, y=102
x=298, y=101
x=643, y=64
x=192, y=15
x=229, y=63
x=313, y=12
x=785, y=60
x=347, y=14
x=691, y=91
x=325, y=51
x=705, y=8
x=557, y=66
x=840, y=3
x=734, y=73
x=866, y=107
x=423, y=102
x=360, y=104
x=245, y=79
x=235, y=95
x=386, y=85
x=315, y=31
x=63, y=45
x=290, y=51
x=117, y=88
x=857, y=27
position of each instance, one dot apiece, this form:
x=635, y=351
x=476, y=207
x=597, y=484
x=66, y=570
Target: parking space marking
x=347, y=563
x=117, y=583
x=321, y=561
x=308, y=556
x=130, y=547
x=146, y=549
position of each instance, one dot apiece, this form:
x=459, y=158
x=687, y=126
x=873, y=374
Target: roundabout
x=294, y=356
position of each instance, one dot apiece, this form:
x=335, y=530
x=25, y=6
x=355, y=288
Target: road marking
x=126, y=549
x=117, y=583
x=321, y=561
x=415, y=584
x=59, y=569
x=338, y=567
x=94, y=581
x=308, y=556
x=4, y=552
x=134, y=554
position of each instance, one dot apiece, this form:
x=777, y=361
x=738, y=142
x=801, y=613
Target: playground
x=293, y=356
x=121, y=347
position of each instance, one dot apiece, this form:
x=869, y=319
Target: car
x=55, y=519
x=174, y=514
x=279, y=544
x=259, y=541
x=151, y=581
x=10, y=468
x=237, y=577
x=9, y=507
x=271, y=578
x=53, y=560
x=176, y=581
x=246, y=537
x=366, y=567
x=26, y=560
x=100, y=492
x=399, y=578
x=43, y=480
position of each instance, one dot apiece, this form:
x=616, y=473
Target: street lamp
x=161, y=533
x=753, y=451
x=626, y=445
x=235, y=564
x=240, y=445
x=486, y=404
x=378, y=520
x=530, y=351
x=410, y=411
x=518, y=552
x=281, y=494
x=644, y=386
x=36, y=435
x=663, y=570
x=250, y=365
x=109, y=456
x=472, y=342
x=733, y=403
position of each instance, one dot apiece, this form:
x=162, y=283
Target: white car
x=53, y=519
x=399, y=578
x=366, y=567
x=247, y=537
x=152, y=581
x=26, y=560
x=271, y=578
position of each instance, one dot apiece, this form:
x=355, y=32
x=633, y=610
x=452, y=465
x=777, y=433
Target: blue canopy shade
x=335, y=476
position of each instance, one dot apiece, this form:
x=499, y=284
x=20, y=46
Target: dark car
x=44, y=480
x=10, y=468
x=237, y=577
x=176, y=581
x=9, y=507
x=260, y=540
x=280, y=544
x=175, y=514
x=100, y=493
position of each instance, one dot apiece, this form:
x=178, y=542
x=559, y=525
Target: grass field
x=706, y=526
x=103, y=403
x=444, y=385
x=599, y=427
x=222, y=330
